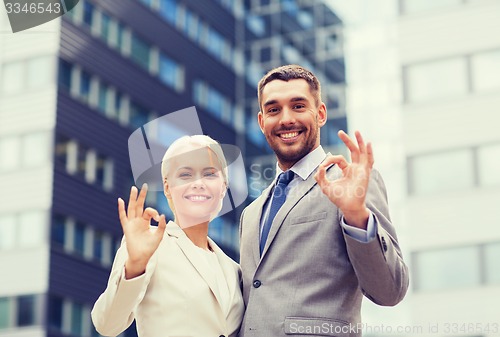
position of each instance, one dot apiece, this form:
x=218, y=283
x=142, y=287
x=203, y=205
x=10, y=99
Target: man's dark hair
x=291, y=72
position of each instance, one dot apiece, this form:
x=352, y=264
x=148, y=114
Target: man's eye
x=299, y=106
x=273, y=110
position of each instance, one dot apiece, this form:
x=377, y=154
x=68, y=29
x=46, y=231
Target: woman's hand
x=141, y=241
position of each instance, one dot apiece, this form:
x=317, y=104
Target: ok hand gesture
x=142, y=242
x=348, y=192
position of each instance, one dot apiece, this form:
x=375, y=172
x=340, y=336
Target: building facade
x=71, y=93
x=424, y=87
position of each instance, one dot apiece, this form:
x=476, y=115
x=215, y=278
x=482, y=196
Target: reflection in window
x=171, y=73
x=88, y=13
x=450, y=268
x=25, y=310
x=441, y=172
x=434, y=80
x=486, y=71
x=139, y=115
x=79, y=238
x=5, y=312
x=492, y=256
x=77, y=319
x=55, y=314
x=140, y=52
x=58, y=230
x=84, y=86
x=65, y=69
x=168, y=10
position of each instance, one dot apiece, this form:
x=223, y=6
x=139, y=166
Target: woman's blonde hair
x=199, y=140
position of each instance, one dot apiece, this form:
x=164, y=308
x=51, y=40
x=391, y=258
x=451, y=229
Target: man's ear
x=322, y=115
x=260, y=118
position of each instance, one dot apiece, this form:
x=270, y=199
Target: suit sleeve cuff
x=359, y=234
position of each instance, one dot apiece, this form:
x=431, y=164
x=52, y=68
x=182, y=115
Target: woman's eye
x=185, y=175
x=210, y=174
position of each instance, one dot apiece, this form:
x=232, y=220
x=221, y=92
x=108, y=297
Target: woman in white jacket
x=172, y=278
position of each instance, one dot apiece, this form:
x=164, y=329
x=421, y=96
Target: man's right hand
x=141, y=241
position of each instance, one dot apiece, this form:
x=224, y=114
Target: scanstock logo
x=25, y=14
x=147, y=145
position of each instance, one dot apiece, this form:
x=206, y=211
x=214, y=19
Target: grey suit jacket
x=311, y=276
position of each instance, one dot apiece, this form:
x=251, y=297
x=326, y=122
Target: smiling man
x=320, y=236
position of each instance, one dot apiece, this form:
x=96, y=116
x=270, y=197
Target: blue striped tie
x=278, y=199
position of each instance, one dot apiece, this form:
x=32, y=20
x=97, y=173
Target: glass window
x=12, y=77
x=256, y=24
x=10, y=153
x=58, y=230
x=265, y=54
x=489, y=165
x=103, y=97
x=79, y=238
x=168, y=72
x=426, y=179
x=65, y=74
x=492, y=256
x=140, y=52
x=25, y=310
x=84, y=85
x=98, y=246
x=417, y=6
x=139, y=115
x=36, y=149
x=486, y=71
x=32, y=225
x=8, y=224
x=450, y=268
x=39, y=71
x=168, y=10
x=55, y=314
x=76, y=319
x=5, y=311
x=105, y=27
x=88, y=13
x=81, y=167
x=437, y=79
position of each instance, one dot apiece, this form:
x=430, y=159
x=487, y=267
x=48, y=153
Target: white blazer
x=176, y=296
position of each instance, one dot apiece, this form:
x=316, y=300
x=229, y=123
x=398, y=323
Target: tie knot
x=285, y=178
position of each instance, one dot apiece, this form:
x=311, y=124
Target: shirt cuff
x=359, y=234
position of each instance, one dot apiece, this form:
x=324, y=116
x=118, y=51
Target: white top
x=222, y=288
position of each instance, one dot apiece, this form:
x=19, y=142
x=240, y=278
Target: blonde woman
x=173, y=279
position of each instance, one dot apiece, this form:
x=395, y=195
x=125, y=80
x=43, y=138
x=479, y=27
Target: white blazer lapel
x=229, y=272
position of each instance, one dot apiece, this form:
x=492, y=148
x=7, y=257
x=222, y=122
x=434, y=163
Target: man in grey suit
x=319, y=238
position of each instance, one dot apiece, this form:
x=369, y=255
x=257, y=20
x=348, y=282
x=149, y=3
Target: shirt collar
x=304, y=167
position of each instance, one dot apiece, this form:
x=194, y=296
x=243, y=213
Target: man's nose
x=287, y=116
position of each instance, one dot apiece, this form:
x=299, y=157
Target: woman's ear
x=166, y=190
x=223, y=192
